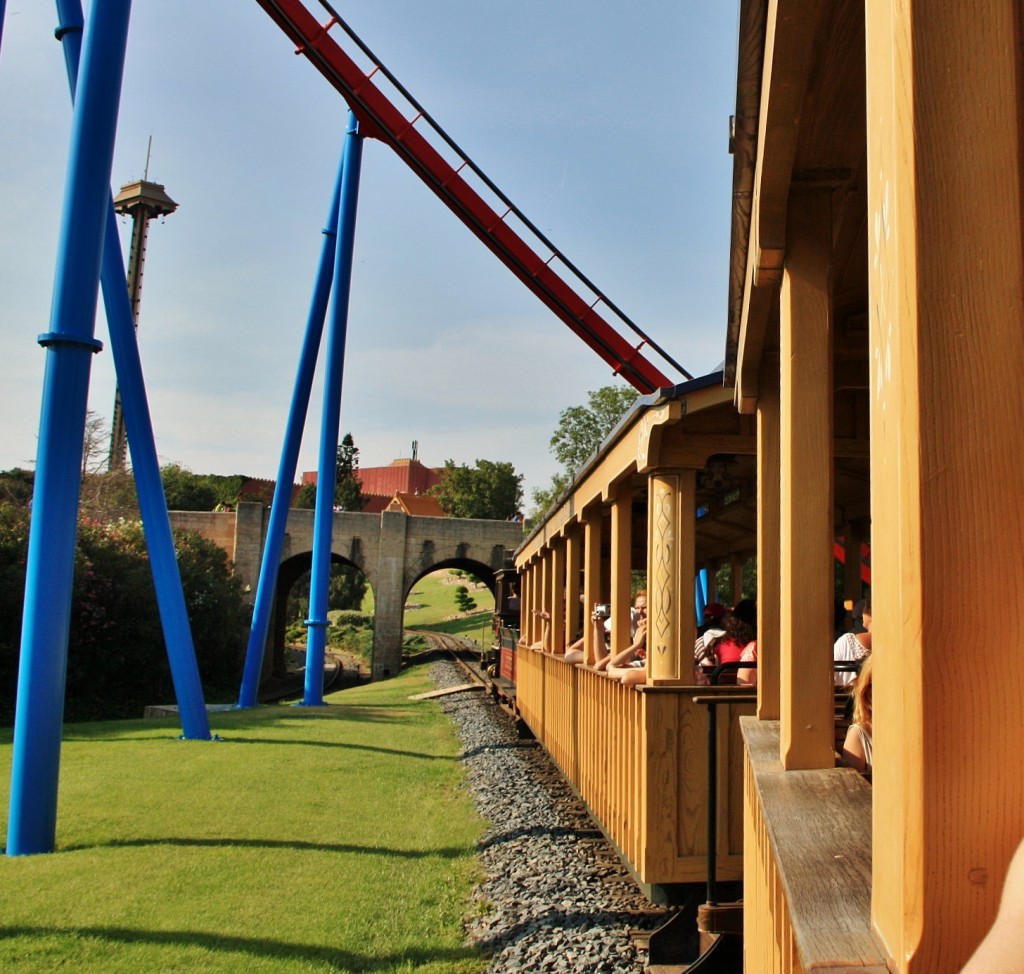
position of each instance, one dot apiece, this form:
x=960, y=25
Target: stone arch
x=289, y=572
x=484, y=572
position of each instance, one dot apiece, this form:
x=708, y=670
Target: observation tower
x=142, y=200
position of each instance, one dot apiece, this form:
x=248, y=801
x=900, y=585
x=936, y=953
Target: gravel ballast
x=556, y=897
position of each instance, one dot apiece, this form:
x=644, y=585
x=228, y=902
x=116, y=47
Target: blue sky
x=605, y=123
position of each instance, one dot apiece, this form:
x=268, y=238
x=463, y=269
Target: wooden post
x=768, y=559
x=806, y=509
x=947, y=458
x=574, y=616
x=592, y=527
x=557, y=606
x=622, y=566
x=671, y=552
x=528, y=603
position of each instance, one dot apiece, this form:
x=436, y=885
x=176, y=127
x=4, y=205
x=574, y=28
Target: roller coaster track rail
x=371, y=92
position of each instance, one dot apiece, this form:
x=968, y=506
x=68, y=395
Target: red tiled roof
x=417, y=505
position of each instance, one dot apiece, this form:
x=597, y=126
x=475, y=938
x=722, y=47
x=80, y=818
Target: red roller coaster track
x=446, y=170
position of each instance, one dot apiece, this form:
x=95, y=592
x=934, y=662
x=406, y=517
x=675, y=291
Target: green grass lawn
x=307, y=839
x=436, y=601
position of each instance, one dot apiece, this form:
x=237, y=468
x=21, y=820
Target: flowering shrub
x=117, y=660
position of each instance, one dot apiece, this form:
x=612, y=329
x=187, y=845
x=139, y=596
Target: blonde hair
x=861, y=693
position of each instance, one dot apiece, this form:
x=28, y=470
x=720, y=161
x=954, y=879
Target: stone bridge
x=392, y=549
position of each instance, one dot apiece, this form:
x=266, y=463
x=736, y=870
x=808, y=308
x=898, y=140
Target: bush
x=117, y=660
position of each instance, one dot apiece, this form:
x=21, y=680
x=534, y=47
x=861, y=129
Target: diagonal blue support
x=323, y=521
x=124, y=346
x=70, y=345
x=265, y=588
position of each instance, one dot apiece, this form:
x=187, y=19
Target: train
x=869, y=395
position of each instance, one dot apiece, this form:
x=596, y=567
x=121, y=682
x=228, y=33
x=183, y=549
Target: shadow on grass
x=298, y=845
x=342, y=744
x=238, y=721
x=330, y=957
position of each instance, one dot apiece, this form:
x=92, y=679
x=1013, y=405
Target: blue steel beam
x=69, y=348
x=124, y=346
x=267, y=584
x=323, y=520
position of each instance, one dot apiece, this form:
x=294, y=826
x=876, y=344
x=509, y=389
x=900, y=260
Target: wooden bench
x=812, y=832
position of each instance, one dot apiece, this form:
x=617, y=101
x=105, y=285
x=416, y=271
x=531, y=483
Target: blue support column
x=700, y=594
x=124, y=346
x=70, y=345
x=323, y=521
x=267, y=585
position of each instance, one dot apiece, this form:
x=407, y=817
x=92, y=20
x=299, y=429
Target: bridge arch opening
x=433, y=602
x=349, y=589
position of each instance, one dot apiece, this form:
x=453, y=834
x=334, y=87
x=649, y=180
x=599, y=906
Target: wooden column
x=557, y=606
x=806, y=509
x=546, y=592
x=947, y=463
x=671, y=552
x=592, y=527
x=573, y=585
x=768, y=558
x=527, y=602
x=622, y=566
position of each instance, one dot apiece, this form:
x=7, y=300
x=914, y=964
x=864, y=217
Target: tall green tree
x=348, y=494
x=580, y=431
x=490, y=491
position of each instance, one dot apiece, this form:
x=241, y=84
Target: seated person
x=603, y=627
x=541, y=644
x=630, y=666
x=854, y=646
x=738, y=644
x=857, y=748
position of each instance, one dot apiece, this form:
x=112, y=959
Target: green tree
x=305, y=497
x=117, y=661
x=16, y=486
x=185, y=491
x=489, y=491
x=581, y=428
x=347, y=588
x=580, y=432
x=348, y=494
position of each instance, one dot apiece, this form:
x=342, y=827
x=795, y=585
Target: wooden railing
x=638, y=758
x=807, y=877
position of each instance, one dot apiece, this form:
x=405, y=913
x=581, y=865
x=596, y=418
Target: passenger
x=856, y=645
x=714, y=613
x=630, y=666
x=857, y=747
x=739, y=644
x=704, y=653
x=542, y=643
x=602, y=631
x=575, y=653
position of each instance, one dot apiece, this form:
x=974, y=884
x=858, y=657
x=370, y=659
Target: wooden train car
x=870, y=394
x=876, y=334
x=639, y=756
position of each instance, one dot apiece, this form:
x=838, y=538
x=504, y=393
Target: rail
x=446, y=170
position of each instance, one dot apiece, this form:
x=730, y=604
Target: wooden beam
x=768, y=557
x=806, y=506
x=947, y=453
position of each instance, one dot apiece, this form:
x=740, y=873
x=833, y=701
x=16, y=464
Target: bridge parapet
x=392, y=549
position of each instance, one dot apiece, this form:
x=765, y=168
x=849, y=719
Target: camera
x=602, y=611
